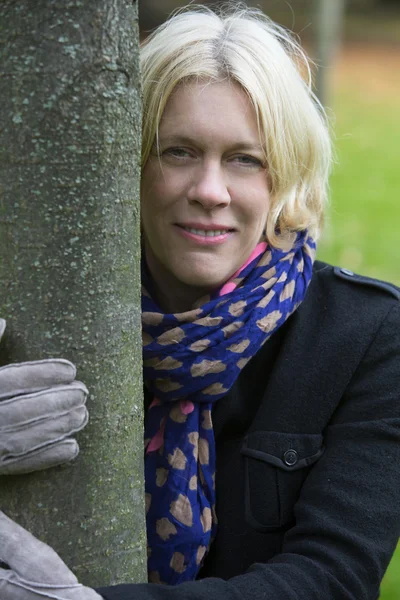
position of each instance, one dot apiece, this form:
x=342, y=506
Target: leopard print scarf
x=191, y=360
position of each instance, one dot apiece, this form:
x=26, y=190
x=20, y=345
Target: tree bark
x=69, y=264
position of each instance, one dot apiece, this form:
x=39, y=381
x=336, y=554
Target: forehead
x=220, y=109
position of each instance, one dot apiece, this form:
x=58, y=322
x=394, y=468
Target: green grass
x=363, y=230
x=390, y=589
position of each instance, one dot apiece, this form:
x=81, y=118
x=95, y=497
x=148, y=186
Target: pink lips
x=205, y=240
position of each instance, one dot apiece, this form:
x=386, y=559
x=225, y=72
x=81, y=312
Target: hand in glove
x=35, y=571
x=41, y=406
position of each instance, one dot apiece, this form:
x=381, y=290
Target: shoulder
x=350, y=282
x=345, y=290
x=341, y=302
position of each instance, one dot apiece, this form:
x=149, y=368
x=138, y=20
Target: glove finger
x=2, y=327
x=14, y=588
x=29, y=558
x=42, y=458
x=22, y=411
x=9, y=591
x=42, y=433
x=20, y=378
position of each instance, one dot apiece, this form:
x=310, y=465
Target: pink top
x=230, y=286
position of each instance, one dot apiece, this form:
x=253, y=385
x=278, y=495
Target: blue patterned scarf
x=191, y=360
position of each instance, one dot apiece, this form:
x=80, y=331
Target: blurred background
x=362, y=81
x=357, y=45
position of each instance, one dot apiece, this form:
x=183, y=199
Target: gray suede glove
x=41, y=406
x=35, y=571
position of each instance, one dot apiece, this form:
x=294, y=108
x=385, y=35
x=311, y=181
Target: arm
x=347, y=516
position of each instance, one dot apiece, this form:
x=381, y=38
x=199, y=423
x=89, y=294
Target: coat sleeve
x=347, y=518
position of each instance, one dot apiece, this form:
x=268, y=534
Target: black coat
x=308, y=456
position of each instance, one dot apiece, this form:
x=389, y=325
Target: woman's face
x=205, y=195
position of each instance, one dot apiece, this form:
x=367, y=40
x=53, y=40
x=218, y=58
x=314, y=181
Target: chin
x=199, y=274
x=202, y=280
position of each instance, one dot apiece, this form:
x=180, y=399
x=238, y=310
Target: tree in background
x=318, y=22
x=328, y=29
x=69, y=264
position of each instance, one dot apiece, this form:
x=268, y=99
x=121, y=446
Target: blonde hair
x=242, y=45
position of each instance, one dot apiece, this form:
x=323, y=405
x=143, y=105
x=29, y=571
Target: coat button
x=290, y=458
x=347, y=272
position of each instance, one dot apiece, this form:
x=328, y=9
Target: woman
x=272, y=425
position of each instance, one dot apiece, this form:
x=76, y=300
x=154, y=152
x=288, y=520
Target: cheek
x=262, y=205
x=151, y=198
x=152, y=179
x=158, y=190
x=256, y=204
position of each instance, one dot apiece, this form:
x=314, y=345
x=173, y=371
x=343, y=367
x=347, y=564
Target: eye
x=177, y=153
x=246, y=160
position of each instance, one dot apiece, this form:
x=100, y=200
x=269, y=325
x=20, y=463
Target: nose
x=209, y=187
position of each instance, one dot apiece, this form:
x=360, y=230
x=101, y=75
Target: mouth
x=206, y=230
x=206, y=234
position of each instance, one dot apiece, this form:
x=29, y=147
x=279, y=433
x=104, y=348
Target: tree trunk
x=69, y=264
x=329, y=21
